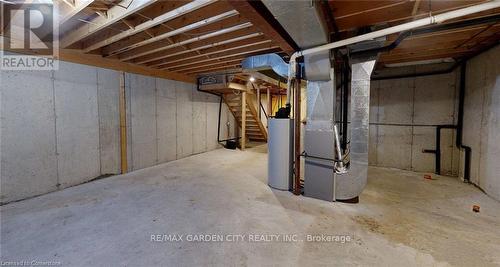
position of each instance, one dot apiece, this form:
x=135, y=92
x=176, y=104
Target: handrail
x=262, y=107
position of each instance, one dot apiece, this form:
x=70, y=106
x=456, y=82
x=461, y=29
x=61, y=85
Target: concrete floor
x=402, y=219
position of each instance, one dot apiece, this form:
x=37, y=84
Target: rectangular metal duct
x=352, y=183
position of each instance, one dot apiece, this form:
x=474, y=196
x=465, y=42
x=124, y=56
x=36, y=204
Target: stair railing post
x=243, y=119
x=269, y=102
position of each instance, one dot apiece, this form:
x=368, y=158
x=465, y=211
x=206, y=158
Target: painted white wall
x=61, y=128
x=482, y=120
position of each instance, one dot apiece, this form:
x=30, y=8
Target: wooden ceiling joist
x=190, y=37
x=225, y=62
x=185, y=9
x=215, y=42
x=232, y=68
x=267, y=48
x=115, y=14
x=206, y=12
x=67, y=12
x=203, y=47
x=134, y=54
x=216, y=51
x=251, y=14
x=177, y=31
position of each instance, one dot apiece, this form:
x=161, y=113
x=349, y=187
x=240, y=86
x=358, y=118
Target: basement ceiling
x=202, y=36
x=351, y=17
x=187, y=37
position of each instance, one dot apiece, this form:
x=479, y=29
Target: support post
x=269, y=103
x=243, y=119
x=123, y=125
x=258, y=104
x=296, y=118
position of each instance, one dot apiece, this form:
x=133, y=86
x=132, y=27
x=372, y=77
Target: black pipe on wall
x=460, y=123
x=345, y=102
x=459, y=130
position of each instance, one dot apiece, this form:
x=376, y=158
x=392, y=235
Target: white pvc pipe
x=399, y=28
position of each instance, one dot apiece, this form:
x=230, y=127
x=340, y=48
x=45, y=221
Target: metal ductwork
x=350, y=184
x=264, y=62
x=303, y=23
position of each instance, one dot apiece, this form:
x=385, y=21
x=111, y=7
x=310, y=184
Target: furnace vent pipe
x=399, y=28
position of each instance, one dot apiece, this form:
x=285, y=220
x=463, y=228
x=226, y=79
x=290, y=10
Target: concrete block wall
x=482, y=120
x=403, y=115
x=61, y=128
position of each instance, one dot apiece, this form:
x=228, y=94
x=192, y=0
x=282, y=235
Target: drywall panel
x=143, y=121
x=28, y=158
x=212, y=120
x=108, y=90
x=394, y=146
x=184, y=119
x=434, y=99
x=199, y=121
x=166, y=106
x=423, y=138
x=77, y=123
x=395, y=99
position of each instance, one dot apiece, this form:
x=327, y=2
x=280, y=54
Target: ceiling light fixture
x=252, y=79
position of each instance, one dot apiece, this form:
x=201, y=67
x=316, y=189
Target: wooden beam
x=214, y=52
x=115, y=14
x=265, y=78
x=415, y=7
x=222, y=41
x=183, y=10
x=193, y=17
x=80, y=5
x=243, y=119
x=98, y=61
x=258, y=103
x=248, y=11
x=237, y=86
x=178, y=31
x=225, y=56
x=208, y=48
x=233, y=68
x=135, y=54
x=269, y=103
x=236, y=60
x=123, y=125
x=70, y=3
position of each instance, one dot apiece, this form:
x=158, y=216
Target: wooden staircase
x=254, y=130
